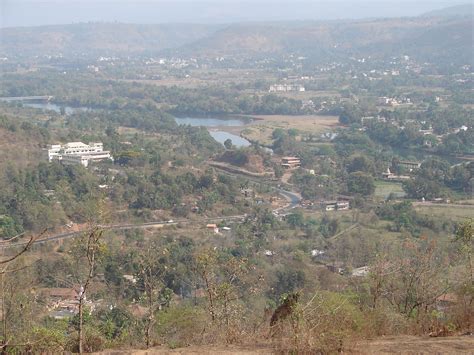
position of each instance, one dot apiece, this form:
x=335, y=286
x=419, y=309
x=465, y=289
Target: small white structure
x=286, y=88
x=75, y=153
x=317, y=252
x=361, y=271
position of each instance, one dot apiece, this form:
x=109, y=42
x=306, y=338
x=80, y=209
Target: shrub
x=181, y=326
x=325, y=324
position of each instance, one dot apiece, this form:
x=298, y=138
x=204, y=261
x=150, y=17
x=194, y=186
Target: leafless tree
x=418, y=282
x=5, y=264
x=151, y=271
x=93, y=246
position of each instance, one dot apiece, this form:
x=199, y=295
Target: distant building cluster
x=393, y=101
x=77, y=153
x=286, y=88
x=394, y=177
x=337, y=205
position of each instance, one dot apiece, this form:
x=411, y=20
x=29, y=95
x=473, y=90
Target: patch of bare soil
x=200, y=350
x=255, y=164
x=405, y=345
x=417, y=345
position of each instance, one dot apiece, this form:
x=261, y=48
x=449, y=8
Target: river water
x=218, y=135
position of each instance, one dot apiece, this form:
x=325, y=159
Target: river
x=212, y=124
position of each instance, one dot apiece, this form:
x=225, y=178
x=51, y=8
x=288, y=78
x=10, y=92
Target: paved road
x=292, y=197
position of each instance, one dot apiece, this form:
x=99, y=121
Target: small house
x=290, y=162
x=213, y=226
x=329, y=205
x=342, y=205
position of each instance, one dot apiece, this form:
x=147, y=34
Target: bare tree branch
x=25, y=248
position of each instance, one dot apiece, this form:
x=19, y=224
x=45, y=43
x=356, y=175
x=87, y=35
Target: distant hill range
x=458, y=10
x=426, y=37
x=367, y=37
x=99, y=38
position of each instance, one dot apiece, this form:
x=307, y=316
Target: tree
x=151, y=274
x=415, y=282
x=8, y=227
x=93, y=247
x=360, y=163
x=287, y=280
x=361, y=183
x=225, y=280
x=464, y=240
x=228, y=143
x=423, y=188
x=278, y=133
x=278, y=171
x=350, y=115
x=14, y=299
x=295, y=219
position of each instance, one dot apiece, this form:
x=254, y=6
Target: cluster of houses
x=393, y=101
x=329, y=205
x=63, y=303
x=77, y=153
x=337, y=205
x=393, y=177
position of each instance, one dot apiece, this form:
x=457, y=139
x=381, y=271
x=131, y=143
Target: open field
x=200, y=77
x=307, y=95
x=384, y=188
x=262, y=127
x=449, y=211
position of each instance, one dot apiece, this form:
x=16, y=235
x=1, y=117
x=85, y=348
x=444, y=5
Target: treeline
x=81, y=90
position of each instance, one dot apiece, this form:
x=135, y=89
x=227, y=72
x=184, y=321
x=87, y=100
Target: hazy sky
x=47, y=12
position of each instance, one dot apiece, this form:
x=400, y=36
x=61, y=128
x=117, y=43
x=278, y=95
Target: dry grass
x=307, y=95
x=262, y=127
x=416, y=345
x=202, y=78
x=383, y=189
x=446, y=211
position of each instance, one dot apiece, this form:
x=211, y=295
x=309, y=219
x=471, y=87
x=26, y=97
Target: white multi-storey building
x=77, y=153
